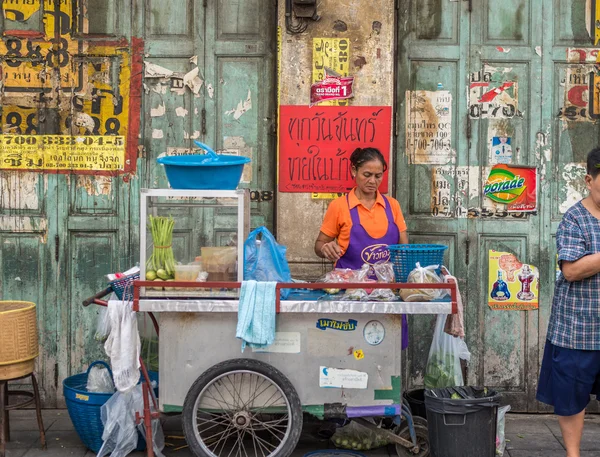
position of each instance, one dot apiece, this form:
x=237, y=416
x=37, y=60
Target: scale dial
x=374, y=332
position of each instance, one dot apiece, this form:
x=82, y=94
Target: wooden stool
x=5, y=407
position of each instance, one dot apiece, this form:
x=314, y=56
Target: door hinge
x=470, y=5
x=467, y=253
x=56, y=247
x=205, y=3
x=203, y=121
x=396, y=123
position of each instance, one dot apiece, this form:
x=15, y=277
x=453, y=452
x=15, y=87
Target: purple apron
x=363, y=248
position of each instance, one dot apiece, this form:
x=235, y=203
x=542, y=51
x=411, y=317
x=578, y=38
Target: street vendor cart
x=331, y=358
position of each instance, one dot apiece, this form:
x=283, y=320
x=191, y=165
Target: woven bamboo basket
x=18, y=339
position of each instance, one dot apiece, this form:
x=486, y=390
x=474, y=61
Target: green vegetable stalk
x=162, y=262
x=441, y=371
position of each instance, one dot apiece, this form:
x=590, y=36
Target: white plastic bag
x=120, y=435
x=423, y=275
x=99, y=380
x=103, y=322
x=443, y=364
x=385, y=274
x=500, y=437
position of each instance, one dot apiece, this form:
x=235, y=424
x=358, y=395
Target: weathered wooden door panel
x=504, y=344
x=433, y=38
x=569, y=129
x=240, y=93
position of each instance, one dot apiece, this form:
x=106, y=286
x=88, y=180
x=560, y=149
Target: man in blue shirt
x=571, y=365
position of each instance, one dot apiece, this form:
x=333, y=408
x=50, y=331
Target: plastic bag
x=423, y=275
x=264, y=259
x=385, y=274
x=361, y=275
x=443, y=364
x=120, y=436
x=102, y=325
x=338, y=276
x=500, y=438
x=103, y=322
x=99, y=380
x=358, y=437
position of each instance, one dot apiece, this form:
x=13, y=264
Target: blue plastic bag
x=264, y=259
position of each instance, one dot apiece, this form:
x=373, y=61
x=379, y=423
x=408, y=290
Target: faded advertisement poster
x=429, y=127
x=577, y=102
x=492, y=95
x=330, y=56
x=449, y=191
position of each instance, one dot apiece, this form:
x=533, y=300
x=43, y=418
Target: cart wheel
x=418, y=420
x=422, y=441
x=241, y=405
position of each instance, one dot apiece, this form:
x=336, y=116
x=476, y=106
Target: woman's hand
x=331, y=251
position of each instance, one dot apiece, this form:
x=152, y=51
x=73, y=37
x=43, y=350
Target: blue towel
x=256, y=314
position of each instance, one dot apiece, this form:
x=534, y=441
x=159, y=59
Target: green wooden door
x=569, y=129
x=505, y=48
x=470, y=49
x=221, y=93
x=432, y=51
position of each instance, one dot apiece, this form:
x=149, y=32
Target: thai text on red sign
x=332, y=88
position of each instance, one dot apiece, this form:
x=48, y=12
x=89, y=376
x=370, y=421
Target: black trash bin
x=416, y=401
x=465, y=426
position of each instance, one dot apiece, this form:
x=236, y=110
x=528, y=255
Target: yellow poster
x=61, y=152
x=331, y=54
x=326, y=195
x=512, y=285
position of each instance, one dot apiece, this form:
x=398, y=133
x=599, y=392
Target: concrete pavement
x=527, y=435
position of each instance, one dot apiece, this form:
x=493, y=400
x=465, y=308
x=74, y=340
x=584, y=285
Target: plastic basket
x=123, y=287
x=84, y=407
x=404, y=257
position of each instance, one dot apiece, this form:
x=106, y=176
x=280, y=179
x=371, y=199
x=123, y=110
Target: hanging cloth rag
x=256, y=314
x=123, y=345
x=454, y=322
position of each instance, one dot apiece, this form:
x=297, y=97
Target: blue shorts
x=567, y=378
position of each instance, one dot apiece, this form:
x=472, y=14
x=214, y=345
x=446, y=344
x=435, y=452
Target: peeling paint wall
x=369, y=26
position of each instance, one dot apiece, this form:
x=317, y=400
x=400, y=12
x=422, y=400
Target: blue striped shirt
x=575, y=318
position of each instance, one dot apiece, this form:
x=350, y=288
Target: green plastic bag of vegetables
x=358, y=438
x=443, y=364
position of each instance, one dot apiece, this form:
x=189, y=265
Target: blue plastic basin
x=204, y=171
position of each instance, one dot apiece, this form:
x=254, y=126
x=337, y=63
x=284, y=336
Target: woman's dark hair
x=360, y=156
x=593, y=162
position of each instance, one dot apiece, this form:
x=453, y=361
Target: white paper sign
x=285, y=343
x=339, y=378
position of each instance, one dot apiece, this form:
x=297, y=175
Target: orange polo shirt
x=338, y=222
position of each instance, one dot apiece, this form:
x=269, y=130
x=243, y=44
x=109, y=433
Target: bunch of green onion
x=161, y=262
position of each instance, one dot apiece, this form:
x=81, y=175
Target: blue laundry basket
x=84, y=407
x=404, y=257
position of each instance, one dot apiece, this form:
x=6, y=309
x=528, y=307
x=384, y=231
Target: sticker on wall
x=512, y=285
x=285, y=343
x=492, y=95
x=342, y=379
x=513, y=186
x=374, y=333
x=344, y=326
x=429, y=127
x=359, y=354
x=501, y=151
x=332, y=88
x=331, y=56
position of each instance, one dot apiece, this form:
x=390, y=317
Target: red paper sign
x=332, y=88
x=315, y=144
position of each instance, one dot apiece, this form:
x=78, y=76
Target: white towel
x=123, y=345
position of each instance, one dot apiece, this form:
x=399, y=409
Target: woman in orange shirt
x=359, y=226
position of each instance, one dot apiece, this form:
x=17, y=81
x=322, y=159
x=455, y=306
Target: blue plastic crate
x=404, y=257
